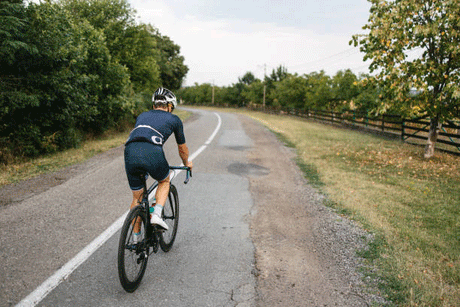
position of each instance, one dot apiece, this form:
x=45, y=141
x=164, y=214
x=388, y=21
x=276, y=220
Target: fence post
x=383, y=122
x=402, y=129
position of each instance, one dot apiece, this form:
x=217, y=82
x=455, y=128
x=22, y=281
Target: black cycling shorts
x=142, y=158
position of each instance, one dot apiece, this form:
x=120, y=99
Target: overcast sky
x=222, y=40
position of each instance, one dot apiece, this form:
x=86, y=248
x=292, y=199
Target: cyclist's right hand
x=189, y=164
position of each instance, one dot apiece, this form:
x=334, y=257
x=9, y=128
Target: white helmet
x=165, y=96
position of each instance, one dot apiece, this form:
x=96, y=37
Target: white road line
x=60, y=275
x=219, y=123
x=52, y=282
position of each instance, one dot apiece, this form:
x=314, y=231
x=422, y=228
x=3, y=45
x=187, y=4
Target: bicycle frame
x=172, y=175
x=135, y=253
x=152, y=233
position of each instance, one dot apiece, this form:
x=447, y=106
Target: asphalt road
x=252, y=231
x=211, y=263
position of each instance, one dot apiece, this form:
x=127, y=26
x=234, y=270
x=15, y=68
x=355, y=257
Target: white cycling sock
x=158, y=210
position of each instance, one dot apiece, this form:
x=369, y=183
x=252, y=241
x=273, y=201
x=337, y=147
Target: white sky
x=222, y=40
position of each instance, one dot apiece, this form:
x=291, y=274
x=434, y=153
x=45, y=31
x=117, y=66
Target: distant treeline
x=72, y=68
x=281, y=89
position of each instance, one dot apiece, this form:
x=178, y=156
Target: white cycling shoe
x=156, y=220
x=137, y=238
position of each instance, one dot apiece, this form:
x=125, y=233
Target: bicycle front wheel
x=171, y=217
x=133, y=252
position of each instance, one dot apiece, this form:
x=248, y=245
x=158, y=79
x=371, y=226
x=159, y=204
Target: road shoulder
x=305, y=253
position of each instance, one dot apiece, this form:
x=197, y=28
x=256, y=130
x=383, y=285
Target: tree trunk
x=435, y=126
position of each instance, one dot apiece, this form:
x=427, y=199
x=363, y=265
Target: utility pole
x=265, y=87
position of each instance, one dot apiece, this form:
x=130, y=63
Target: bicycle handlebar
x=185, y=168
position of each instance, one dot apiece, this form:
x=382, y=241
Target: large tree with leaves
x=414, y=47
x=129, y=44
x=171, y=62
x=318, y=93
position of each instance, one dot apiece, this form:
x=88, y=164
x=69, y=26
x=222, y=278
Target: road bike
x=133, y=253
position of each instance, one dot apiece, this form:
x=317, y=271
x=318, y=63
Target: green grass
x=412, y=205
x=309, y=170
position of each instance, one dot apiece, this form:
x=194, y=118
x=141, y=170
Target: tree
x=397, y=31
x=318, y=91
x=113, y=17
x=290, y=92
x=247, y=79
x=277, y=75
x=58, y=80
x=254, y=92
x=141, y=57
x=368, y=99
x=12, y=14
x=131, y=45
x=230, y=95
x=344, y=90
x=171, y=63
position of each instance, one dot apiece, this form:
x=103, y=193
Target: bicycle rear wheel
x=171, y=217
x=133, y=256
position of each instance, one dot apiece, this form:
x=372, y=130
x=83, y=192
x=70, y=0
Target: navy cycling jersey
x=156, y=126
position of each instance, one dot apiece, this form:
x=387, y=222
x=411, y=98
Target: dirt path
x=305, y=254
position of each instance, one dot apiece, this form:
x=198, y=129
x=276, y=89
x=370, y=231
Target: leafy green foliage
x=319, y=90
x=172, y=67
x=289, y=91
x=247, y=79
x=72, y=68
x=12, y=14
x=129, y=45
x=397, y=32
x=254, y=92
x=426, y=84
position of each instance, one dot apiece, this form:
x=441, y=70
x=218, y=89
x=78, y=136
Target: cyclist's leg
x=158, y=168
x=162, y=192
x=137, y=197
x=161, y=196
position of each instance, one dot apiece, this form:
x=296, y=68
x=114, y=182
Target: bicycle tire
x=171, y=217
x=132, y=258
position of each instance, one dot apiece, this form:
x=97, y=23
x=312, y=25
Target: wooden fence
x=413, y=131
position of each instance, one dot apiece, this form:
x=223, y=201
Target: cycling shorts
x=142, y=158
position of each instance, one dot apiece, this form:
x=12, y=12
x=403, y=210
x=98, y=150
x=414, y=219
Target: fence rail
x=408, y=130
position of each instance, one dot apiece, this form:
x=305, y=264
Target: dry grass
x=27, y=168
x=412, y=204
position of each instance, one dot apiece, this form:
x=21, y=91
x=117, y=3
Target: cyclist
x=144, y=150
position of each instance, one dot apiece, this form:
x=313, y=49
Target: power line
x=348, y=52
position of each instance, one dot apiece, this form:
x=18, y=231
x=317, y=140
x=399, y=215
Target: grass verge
x=412, y=205
x=24, y=169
